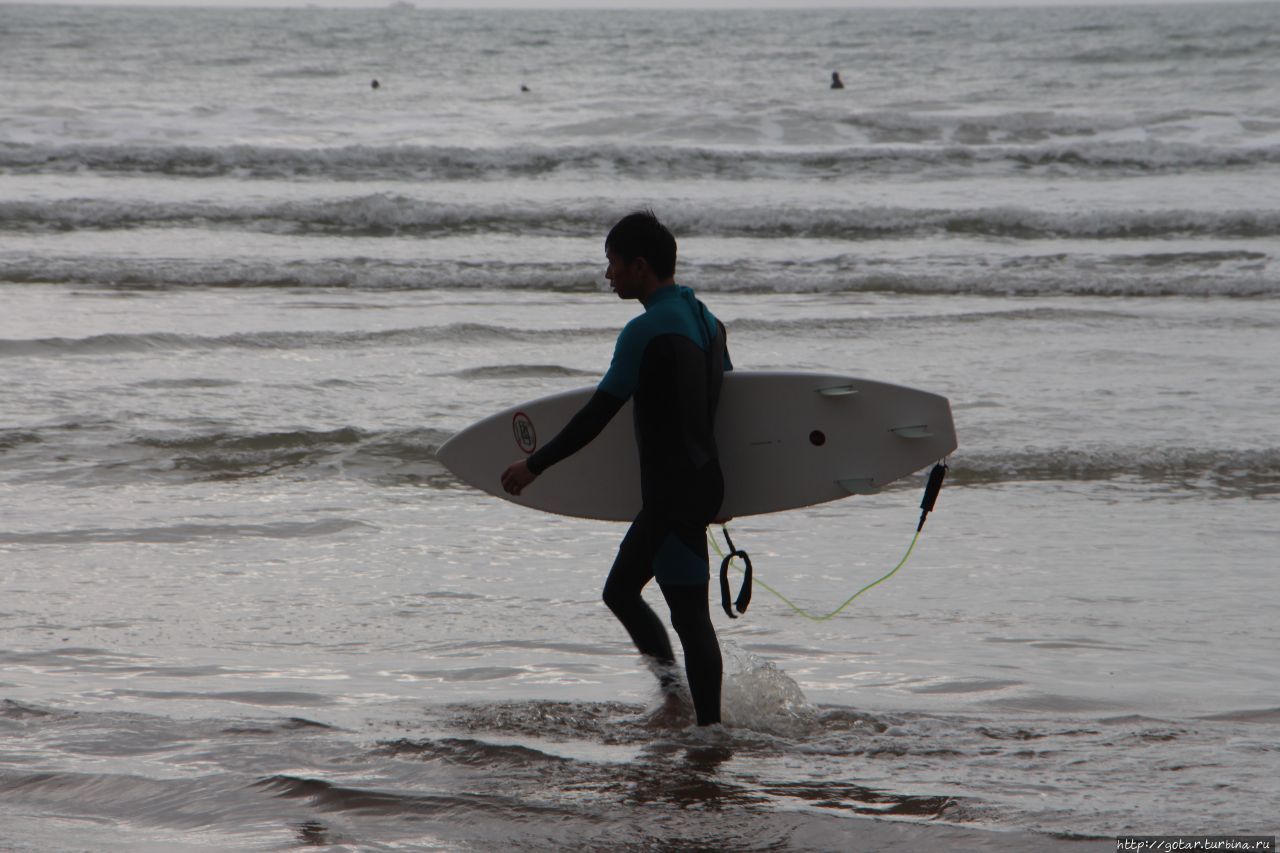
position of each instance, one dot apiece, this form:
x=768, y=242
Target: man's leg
x=684, y=576
x=632, y=569
x=691, y=617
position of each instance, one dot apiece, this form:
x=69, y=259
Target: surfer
x=671, y=360
x=836, y=82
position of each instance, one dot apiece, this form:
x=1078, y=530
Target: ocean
x=245, y=294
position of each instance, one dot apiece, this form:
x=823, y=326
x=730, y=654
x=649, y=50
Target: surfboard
x=786, y=440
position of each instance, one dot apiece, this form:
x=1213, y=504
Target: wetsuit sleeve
x=578, y=433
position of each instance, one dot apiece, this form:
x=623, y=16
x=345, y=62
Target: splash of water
x=760, y=697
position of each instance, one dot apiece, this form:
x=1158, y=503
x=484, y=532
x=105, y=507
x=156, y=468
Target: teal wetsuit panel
x=678, y=563
x=672, y=310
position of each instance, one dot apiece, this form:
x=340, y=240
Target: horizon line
x=633, y=6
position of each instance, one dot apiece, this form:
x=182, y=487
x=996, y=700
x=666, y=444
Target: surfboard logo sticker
x=526, y=436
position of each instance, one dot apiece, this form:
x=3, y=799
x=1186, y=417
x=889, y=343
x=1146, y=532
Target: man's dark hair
x=641, y=235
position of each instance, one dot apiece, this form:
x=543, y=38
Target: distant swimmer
x=836, y=82
x=375, y=85
x=524, y=88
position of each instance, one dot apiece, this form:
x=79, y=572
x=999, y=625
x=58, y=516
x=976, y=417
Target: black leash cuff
x=744, y=594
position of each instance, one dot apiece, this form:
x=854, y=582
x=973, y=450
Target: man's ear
x=641, y=267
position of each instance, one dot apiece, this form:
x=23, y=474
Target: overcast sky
x=620, y=4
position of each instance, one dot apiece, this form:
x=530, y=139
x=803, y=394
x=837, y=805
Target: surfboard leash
x=931, y=490
x=744, y=592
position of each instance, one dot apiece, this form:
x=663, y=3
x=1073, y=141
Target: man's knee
x=619, y=598
x=689, y=612
x=691, y=625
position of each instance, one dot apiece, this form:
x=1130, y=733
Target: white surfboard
x=786, y=440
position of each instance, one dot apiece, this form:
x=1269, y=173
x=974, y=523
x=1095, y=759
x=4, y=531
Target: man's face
x=624, y=277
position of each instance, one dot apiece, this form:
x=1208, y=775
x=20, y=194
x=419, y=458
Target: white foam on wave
x=377, y=214
x=960, y=147
x=1193, y=470
x=1224, y=278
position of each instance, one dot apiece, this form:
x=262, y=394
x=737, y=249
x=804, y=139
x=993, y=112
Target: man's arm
x=581, y=430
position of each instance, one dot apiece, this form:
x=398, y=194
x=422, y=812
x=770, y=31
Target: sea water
x=246, y=295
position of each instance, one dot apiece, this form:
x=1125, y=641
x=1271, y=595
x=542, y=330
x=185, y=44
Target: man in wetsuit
x=671, y=360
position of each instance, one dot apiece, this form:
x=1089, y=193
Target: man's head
x=641, y=253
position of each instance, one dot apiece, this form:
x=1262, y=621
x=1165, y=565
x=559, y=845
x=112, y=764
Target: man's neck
x=652, y=290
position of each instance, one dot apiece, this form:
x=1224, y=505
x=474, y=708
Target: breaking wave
x=173, y=342
x=914, y=144
x=1241, y=273
x=383, y=214
x=385, y=457
x=407, y=457
x=1193, y=471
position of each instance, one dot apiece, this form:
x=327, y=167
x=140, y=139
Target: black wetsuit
x=671, y=359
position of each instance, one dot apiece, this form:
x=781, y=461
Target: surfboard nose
x=447, y=453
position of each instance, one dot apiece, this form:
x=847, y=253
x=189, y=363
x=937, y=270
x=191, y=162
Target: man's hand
x=517, y=476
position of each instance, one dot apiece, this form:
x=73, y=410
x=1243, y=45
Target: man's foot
x=673, y=712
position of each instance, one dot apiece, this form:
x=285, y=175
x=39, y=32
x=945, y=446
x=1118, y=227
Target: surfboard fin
x=917, y=431
x=862, y=486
